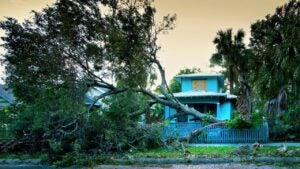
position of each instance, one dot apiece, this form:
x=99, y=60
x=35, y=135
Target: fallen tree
x=75, y=42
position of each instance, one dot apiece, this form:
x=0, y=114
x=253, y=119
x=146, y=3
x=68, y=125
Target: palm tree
x=228, y=54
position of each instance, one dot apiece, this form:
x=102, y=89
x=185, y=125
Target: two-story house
x=203, y=92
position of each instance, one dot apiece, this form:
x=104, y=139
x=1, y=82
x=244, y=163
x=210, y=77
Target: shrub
x=239, y=122
x=286, y=126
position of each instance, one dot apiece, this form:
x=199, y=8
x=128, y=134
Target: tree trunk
x=148, y=115
x=244, y=102
x=231, y=79
x=196, y=132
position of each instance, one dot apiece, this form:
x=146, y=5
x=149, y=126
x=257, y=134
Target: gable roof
x=218, y=76
x=7, y=95
x=92, y=95
x=200, y=75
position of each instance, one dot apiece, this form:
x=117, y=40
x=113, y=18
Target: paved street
x=23, y=166
x=201, y=166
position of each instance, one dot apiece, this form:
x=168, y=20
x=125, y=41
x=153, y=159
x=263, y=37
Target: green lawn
x=210, y=151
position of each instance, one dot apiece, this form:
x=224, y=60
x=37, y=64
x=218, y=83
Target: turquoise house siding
x=212, y=85
x=225, y=113
x=211, y=101
x=169, y=112
x=186, y=85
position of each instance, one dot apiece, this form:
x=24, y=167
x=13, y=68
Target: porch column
x=218, y=110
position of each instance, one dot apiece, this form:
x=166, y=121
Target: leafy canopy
x=229, y=53
x=74, y=40
x=275, y=44
x=55, y=57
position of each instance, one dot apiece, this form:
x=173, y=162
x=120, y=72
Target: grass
x=209, y=151
x=159, y=153
x=199, y=151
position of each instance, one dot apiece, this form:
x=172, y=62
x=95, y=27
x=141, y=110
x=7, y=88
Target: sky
x=190, y=43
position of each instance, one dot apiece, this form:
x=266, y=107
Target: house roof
x=93, y=93
x=219, y=77
x=7, y=95
x=203, y=94
x=197, y=75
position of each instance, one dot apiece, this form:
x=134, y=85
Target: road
x=24, y=166
x=201, y=166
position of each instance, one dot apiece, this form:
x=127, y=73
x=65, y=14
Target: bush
x=239, y=122
x=153, y=138
x=62, y=127
x=286, y=126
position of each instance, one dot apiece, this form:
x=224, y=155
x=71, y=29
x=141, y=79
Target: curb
x=19, y=161
x=210, y=160
x=12, y=163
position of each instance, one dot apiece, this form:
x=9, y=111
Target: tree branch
x=182, y=109
x=112, y=92
x=143, y=111
x=196, y=132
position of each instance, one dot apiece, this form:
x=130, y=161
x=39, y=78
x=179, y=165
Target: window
x=199, y=85
x=182, y=118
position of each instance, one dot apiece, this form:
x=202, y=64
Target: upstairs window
x=199, y=85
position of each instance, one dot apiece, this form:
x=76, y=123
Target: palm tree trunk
x=231, y=79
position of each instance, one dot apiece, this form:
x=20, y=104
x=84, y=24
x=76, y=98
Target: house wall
x=225, y=111
x=169, y=112
x=186, y=85
x=212, y=85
